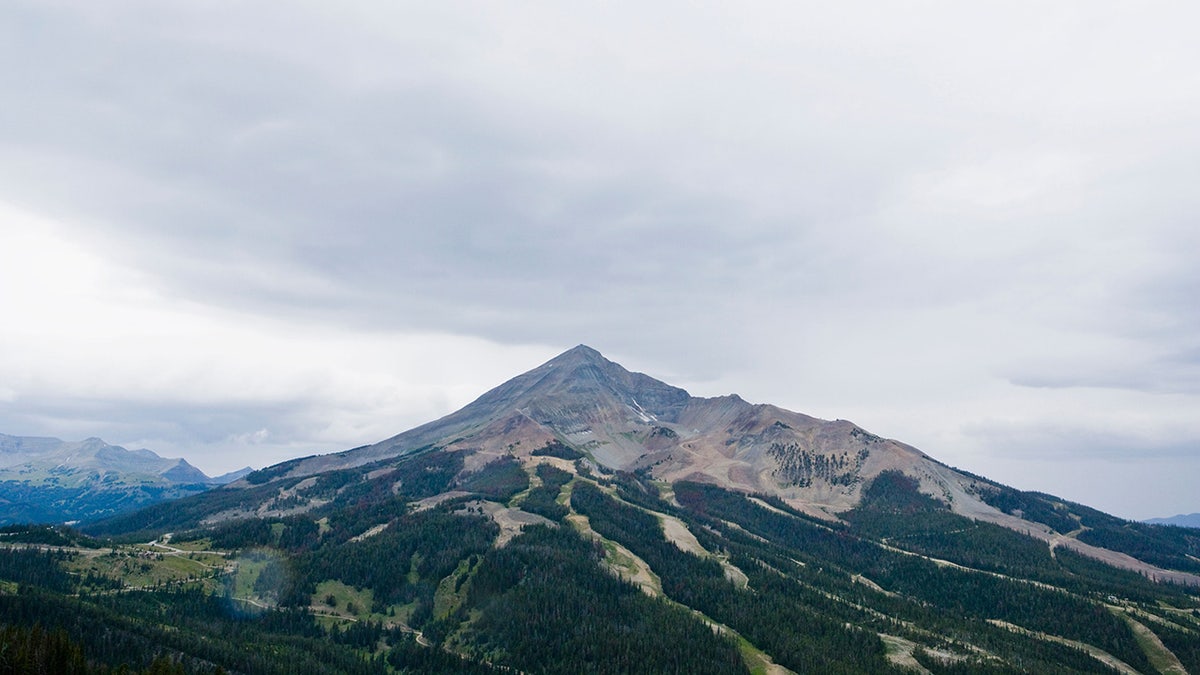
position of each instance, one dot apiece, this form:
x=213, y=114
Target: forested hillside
x=548, y=565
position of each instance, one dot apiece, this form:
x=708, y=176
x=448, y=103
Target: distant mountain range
x=1189, y=520
x=49, y=480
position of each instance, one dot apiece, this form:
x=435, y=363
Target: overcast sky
x=241, y=232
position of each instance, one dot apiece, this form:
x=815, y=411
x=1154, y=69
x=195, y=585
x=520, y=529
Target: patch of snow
x=637, y=409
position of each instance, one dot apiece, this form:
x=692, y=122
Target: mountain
x=1189, y=520
x=630, y=421
x=50, y=480
x=584, y=518
x=227, y=478
x=624, y=421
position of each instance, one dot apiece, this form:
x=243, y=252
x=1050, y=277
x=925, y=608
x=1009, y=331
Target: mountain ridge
x=1180, y=520
x=45, y=479
x=587, y=401
x=616, y=420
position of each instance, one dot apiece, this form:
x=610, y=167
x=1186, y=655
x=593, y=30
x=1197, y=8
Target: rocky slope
x=629, y=421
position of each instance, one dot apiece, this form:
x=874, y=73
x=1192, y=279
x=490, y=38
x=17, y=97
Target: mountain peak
x=580, y=356
x=580, y=352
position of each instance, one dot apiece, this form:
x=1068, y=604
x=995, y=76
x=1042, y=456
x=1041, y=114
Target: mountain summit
x=578, y=397
x=627, y=421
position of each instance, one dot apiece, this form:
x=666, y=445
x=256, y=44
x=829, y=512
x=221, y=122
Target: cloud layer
x=241, y=232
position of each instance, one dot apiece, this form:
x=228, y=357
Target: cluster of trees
x=546, y=606
x=799, y=466
x=1030, y=506
x=47, y=535
x=33, y=650
x=181, y=514
x=558, y=449
x=499, y=479
x=1163, y=545
x=401, y=565
x=1171, y=547
x=543, y=500
x=798, y=638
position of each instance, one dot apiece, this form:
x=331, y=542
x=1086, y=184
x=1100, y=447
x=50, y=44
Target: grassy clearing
x=452, y=591
x=136, y=567
x=335, y=602
x=335, y=597
x=196, y=546
x=564, y=495
x=1163, y=659
x=757, y=660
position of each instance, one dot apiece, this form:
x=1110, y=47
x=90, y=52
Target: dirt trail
x=677, y=533
x=510, y=520
x=900, y=652
x=620, y=560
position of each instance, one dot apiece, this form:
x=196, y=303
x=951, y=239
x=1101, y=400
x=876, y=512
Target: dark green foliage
x=34, y=650
x=894, y=492
x=1185, y=645
x=237, y=534
x=350, y=521
x=973, y=596
x=542, y=500
x=978, y=665
x=1031, y=506
x=636, y=489
x=183, y=514
x=949, y=536
x=429, y=543
x=542, y=603
x=1163, y=545
x=663, y=432
x=47, y=535
x=499, y=479
x=184, y=632
x=35, y=567
x=558, y=449
x=984, y=546
x=406, y=656
x=428, y=474
x=548, y=608
x=1092, y=576
x=774, y=618
x=300, y=533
